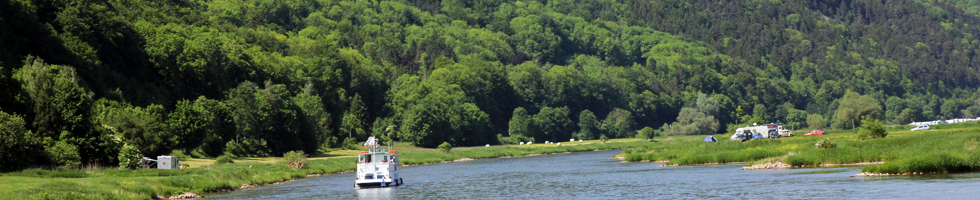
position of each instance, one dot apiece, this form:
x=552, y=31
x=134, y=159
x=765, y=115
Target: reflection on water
x=377, y=193
x=593, y=175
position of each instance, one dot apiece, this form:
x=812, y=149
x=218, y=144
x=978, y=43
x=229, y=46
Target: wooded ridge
x=82, y=80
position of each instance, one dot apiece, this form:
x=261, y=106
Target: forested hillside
x=83, y=79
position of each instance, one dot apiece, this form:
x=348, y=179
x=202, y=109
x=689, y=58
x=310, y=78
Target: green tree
x=853, y=107
x=816, y=121
x=521, y=123
x=692, y=122
x=553, y=124
x=353, y=118
x=60, y=102
x=18, y=146
x=619, y=123
x=588, y=126
x=189, y=124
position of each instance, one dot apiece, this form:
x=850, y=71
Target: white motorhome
x=760, y=132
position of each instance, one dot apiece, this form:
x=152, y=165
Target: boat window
x=386, y=158
x=368, y=176
x=367, y=159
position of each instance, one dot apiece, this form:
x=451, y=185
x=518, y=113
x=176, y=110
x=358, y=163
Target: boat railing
x=376, y=150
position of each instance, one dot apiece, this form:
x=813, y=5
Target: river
x=594, y=175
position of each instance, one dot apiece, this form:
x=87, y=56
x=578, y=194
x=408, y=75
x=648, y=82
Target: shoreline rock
x=768, y=165
x=870, y=174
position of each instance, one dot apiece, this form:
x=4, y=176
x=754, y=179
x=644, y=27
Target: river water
x=594, y=175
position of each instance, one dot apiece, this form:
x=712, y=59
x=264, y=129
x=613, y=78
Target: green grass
x=204, y=177
x=944, y=148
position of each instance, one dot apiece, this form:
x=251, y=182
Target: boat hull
x=378, y=183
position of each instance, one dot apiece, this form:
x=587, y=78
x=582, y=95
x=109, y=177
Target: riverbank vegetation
x=942, y=149
x=257, y=78
x=207, y=175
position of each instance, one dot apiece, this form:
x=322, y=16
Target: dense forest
x=81, y=80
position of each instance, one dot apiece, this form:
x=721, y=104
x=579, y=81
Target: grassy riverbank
x=945, y=148
x=204, y=176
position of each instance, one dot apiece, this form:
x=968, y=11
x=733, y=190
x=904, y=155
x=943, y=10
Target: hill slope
x=259, y=77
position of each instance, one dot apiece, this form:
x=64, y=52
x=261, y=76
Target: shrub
x=513, y=139
x=180, y=154
x=130, y=157
x=648, y=133
x=826, y=143
x=18, y=146
x=603, y=138
x=871, y=129
x=328, y=144
x=64, y=155
x=224, y=159
x=294, y=159
x=445, y=147
x=350, y=143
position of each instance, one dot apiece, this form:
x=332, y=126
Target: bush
x=130, y=157
x=603, y=138
x=648, y=133
x=445, y=147
x=826, y=143
x=871, y=129
x=64, y=155
x=180, y=154
x=224, y=159
x=513, y=139
x=294, y=159
x=328, y=145
x=351, y=144
x=18, y=146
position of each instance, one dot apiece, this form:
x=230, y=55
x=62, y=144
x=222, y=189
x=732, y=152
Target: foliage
x=816, y=121
x=697, y=120
x=294, y=159
x=428, y=111
x=521, y=122
x=648, y=133
x=514, y=139
x=130, y=157
x=445, y=147
x=224, y=159
x=64, y=155
x=553, y=124
x=826, y=143
x=588, y=126
x=351, y=143
x=853, y=108
x=166, y=75
x=871, y=129
x=603, y=138
x=18, y=146
x=908, y=151
x=619, y=124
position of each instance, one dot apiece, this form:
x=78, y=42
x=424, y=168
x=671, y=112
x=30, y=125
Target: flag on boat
x=371, y=142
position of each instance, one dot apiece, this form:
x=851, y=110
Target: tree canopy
x=265, y=77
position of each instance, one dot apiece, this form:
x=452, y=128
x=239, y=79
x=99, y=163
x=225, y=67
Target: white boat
x=377, y=167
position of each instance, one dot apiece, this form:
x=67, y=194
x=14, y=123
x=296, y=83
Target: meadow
x=205, y=177
x=942, y=149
